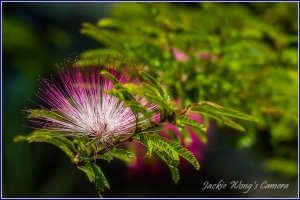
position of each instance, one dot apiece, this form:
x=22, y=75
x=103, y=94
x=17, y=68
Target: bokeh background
x=36, y=36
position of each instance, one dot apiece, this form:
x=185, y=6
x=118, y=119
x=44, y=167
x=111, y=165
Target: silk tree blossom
x=82, y=108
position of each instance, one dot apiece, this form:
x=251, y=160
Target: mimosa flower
x=80, y=106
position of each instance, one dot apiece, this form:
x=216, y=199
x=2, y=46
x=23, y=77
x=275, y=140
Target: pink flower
x=180, y=56
x=82, y=108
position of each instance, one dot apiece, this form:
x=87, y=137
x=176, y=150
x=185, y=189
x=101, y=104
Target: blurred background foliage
x=232, y=54
x=240, y=55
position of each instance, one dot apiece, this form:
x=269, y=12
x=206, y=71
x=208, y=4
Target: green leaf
x=221, y=118
x=217, y=112
x=169, y=161
x=128, y=28
x=96, y=57
x=122, y=155
x=109, y=76
x=217, y=109
x=42, y=113
x=192, y=123
x=166, y=158
x=80, y=143
x=201, y=135
x=105, y=156
x=155, y=83
x=150, y=147
x=183, y=152
x=188, y=121
x=50, y=137
x=116, y=93
x=104, y=36
x=152, y=89
x=129, y=101
x=185, y=134
x=20, y=138
x=175, y=137
x=232, y=123
x=147, y=94
x=138, y=108
x=155, y=143
x=100, y=179
x=89, y=172
x=109, y=23
x=165, y=148
x=164, y=155
x=175, y=173
x=121, y=93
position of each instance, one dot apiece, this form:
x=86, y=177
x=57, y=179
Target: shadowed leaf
x=100, y=179
x=122, y=155
x=50, y=137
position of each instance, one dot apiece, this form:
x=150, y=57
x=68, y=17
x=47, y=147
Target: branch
x=136, y=131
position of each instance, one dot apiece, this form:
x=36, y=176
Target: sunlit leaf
x=217, y=109
x=152, y=89
x=156, y=144
x=42, y=113
x=185, y=135
x=158, y=147
x=201, y=129
x=138, y=108
x=183, y=152
x=222, y=119
x=147, y=94
x=155, y=83
x=129, y=101
x=190, y=122
x=116, y=93
x=109, y=76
